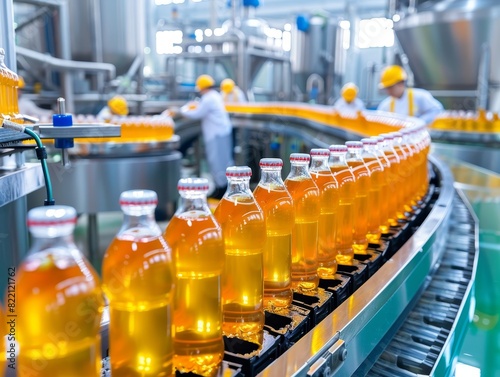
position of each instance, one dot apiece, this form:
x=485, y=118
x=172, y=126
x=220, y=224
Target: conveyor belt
x=423, y=337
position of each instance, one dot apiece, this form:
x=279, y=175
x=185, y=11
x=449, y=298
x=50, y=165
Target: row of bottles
x=9, y=82
x=470, y=121
x=173, y=294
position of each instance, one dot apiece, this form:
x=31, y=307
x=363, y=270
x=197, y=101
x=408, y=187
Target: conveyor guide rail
x=420, y=341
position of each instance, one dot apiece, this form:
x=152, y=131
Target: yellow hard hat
x=204, y=82
x=349, y=92
x=118, y=105
x=227, y=86
x=391, y=75
x=21, y=84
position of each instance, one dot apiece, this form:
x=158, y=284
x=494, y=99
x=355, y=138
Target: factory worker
x=27, y=106
x=407, y=101
x=348, y=100
x=116, y=106
x=216, y=129
x=231, y=92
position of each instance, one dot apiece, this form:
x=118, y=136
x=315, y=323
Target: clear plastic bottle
x=138, y=279
x=305, y=195
x=59, y=301
x=277, y=204
x=198, y=249
x=361, y=204
x=244, y=230
x=327, y=222
x=378, y=209
x=345, y=212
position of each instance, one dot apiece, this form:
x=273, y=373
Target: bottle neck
x=140, y=219
x=337, y=159
x=271, y=177
x=319, y=164
x=238, y=186
x=354, y=154
x=193, y=201
x=42, y=242
x=298, y=170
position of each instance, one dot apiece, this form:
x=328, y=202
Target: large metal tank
x=444, y=43
x=115, y=29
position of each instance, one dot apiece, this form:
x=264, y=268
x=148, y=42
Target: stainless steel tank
x=444, y=40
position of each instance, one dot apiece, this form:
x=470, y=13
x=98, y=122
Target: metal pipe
x=40, y=12
x=7, y=33
x=96, y=36
x=68, y=65
x=483, y=76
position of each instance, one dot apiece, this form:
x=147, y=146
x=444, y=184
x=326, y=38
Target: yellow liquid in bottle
x=361, y=206
x=387, y=201
x=198, y=250
x=377, y=210
x=327, y=223
x=345, y=213
x=405, y=178
x=305, y=197
x=244, y=230
x=59, y=306
x=277, y=206
x=394, y=181
x=138, y=281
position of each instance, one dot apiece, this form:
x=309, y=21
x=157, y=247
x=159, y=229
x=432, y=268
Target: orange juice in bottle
x=387, y=201
x=59, y=301
x=362, y=188
x=305, y=195
x=412, y=150
x=198, y=251
x=406, y=171
x=345, y=210
x=138, y=276
x=395, y=210
x=244, y=230
x=277, y=204
x=377, y=211
x=327, y=222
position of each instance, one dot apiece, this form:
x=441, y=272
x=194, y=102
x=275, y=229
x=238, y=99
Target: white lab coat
x=425, y=106
x=217, y=130
x=341, y=105
x=104, y=114
x=236, y=95
x=28, y=107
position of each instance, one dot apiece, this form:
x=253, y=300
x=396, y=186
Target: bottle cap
x=300, y=157
x=337, y=148
x=271, y=162
x=51, y=215
x=319, y=152
x=192, y=184
x=138, y=198
x=354, y=144
x=369, y=141
x=238, y=171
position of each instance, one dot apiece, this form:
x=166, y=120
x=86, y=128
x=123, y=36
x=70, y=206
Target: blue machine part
x=302, y=23
x=63, y=120
x=251, y=3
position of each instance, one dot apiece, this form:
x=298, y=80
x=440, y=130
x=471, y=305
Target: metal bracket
x=330, y=361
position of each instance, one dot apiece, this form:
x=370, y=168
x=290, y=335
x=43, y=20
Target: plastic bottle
x=327, y=222
x=277, y=204
x=378, y=210
x=412, y=151
x=347, y=195
x=198, y=249
x=138, y=278
x=305, y=195
x=59, y=301
x=405, y=171
x=361, y=203
x=244, y=231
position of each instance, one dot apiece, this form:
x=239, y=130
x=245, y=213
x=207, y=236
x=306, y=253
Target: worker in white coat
x=407, y=101
x=349, y=101
x=216, y=129
x=231, y=92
